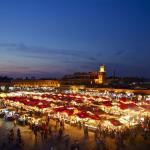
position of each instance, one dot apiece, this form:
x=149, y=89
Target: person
x=45, y=134
x=63, y=124
x=86, y=131
x=49, y=130
x=60, y=132
x=96, y=134
x=19, y=139
x=103, y=144
x=9, y=139
x=18, y=132
x=72, y=147
x=52, y=147
x=67, y=142
x=15, y=123
x=42, y=134
x=11, y=135
x=35, y=133
x=76, y=145
x=3, y=147
x=57, y=123
x=98, y=144
x=80, y=126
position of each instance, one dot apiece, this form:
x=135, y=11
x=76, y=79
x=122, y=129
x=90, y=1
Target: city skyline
x=54, y=38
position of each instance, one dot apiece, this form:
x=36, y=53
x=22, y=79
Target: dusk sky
x=48, y=38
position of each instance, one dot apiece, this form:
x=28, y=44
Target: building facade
x=101, y=75
x=36, y=83
x=86, y=78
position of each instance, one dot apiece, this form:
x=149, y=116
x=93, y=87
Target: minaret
x=102, y=68
x=101, y=75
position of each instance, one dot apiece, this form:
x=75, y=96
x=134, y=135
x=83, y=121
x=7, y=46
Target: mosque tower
x=101, y=75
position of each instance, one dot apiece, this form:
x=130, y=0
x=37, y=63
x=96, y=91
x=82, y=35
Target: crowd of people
x=14, y=141
x=55, y=133
x=129, y=134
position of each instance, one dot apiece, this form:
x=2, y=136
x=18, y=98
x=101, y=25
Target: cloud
x=39, y=52
x=37, y=49
x=39, y=71
x=37, y=57
x=22, y=59
x=93, y=58
x=120, y=52
x=8, y=45
x=51, y=60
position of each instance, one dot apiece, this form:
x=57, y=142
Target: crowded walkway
x=66, y=137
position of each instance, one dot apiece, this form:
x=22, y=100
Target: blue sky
x=45, y=38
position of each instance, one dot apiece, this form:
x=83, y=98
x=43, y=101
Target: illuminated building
x=36, y=83
x=86, y=78
x=101, y=75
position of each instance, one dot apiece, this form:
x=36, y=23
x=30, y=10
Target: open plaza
x=74, y=75
x=68, y=119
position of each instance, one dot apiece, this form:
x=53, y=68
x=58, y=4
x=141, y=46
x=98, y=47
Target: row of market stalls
x=95, y=110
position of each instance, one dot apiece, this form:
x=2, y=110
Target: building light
x=102, y=68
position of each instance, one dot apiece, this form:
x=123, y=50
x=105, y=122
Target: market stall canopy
x=128, y=106
x=94, y=117
x=82, y=115
x=146, y=107
x=115, y=122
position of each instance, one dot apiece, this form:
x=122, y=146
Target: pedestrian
x=42, y=134
x=11, y=135
x=86, y=131
x=76, y=145
x=72, y=147
x=60, y=132
x=35, y=133
x=57, y=123
x=45, y=134
x=80, y=126
x=63, y=124
x=50, y=130
x=55, y=127
x=67, y=140
x=19, y=138
x=9, y=139
x=15, y=123
x=3, y=146
x=96, y=134
x=18, y=132
x=98, y=144
x=52, y=147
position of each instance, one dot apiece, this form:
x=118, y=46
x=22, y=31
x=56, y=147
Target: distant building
x=101, y=75
x=86, y=78
x=36, y=83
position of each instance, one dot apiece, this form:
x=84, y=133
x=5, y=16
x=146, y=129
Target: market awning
x=82, y=115
x=115, y=122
